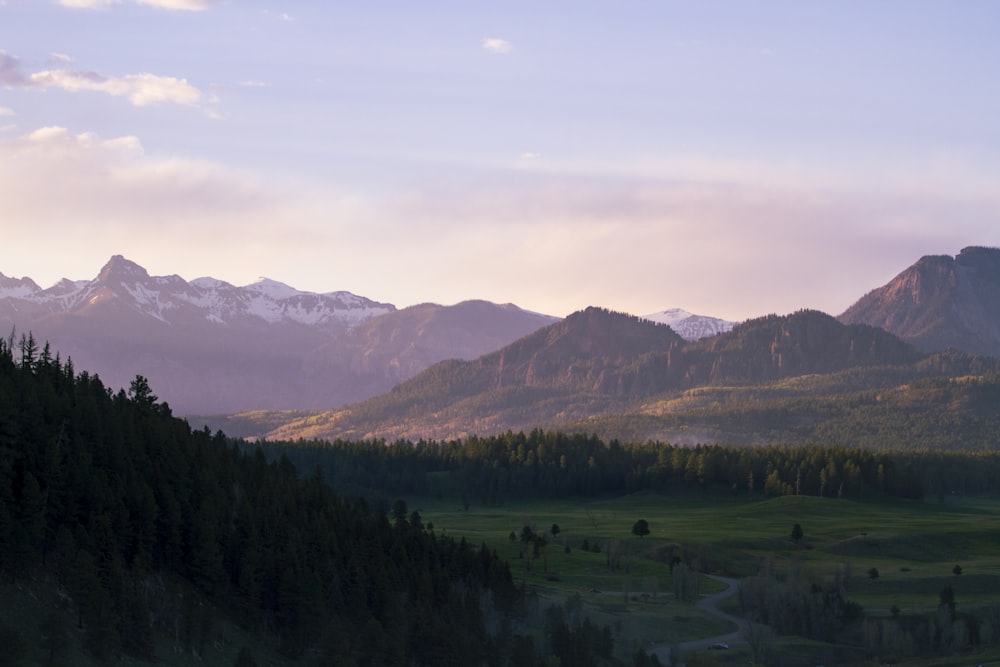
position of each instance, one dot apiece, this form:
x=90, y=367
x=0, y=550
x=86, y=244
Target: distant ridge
x=384, y=351
x=208, y=346
x=940, y=302
x=597, y=362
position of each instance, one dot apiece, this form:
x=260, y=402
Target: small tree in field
x=640, y=528
x=873, y=573
x=796, y=533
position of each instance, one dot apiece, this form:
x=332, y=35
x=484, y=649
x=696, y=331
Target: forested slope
x=112, y=499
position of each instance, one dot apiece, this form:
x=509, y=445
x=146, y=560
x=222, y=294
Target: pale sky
x=730, y=158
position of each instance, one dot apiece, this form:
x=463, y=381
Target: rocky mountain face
x=208, y=346
x=940, y=302
x=690, y=326
x=596, y=362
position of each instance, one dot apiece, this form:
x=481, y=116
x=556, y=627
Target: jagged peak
x=17, y=287
x=10, y=280
x=121, y=269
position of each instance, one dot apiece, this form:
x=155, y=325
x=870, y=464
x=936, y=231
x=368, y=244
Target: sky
x=731, y=158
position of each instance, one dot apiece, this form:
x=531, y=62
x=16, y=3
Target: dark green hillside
x=147, y=529
x=806, y=342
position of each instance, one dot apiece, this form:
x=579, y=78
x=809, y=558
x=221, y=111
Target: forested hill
x=144, y=525
x=595, y=363
x=776, y=347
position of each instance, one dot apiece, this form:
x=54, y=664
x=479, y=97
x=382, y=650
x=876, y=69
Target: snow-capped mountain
x=17, y=288
x=171, y=300
x=208, y=346
x=689, y=325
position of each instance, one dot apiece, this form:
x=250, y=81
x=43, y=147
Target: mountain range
x=440, y=371
x=208, y=346
x=599, y=370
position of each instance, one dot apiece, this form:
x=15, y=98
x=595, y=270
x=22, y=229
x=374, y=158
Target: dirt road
x=710, y=604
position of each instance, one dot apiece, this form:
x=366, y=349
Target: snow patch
x=669, y=316
x=272, y=288
x=690, y=326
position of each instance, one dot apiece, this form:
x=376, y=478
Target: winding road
x=710, y=605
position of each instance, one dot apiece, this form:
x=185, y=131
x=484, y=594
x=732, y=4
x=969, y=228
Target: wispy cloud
x=140, y=89
x=497, y=45
x=6, y=111
x=188, y=5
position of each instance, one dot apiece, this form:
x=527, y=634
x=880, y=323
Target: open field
x=913, y=545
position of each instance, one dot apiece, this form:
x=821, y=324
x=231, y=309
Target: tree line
x=554, y=464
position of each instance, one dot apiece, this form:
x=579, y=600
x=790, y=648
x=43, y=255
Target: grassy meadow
x=914, y=546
